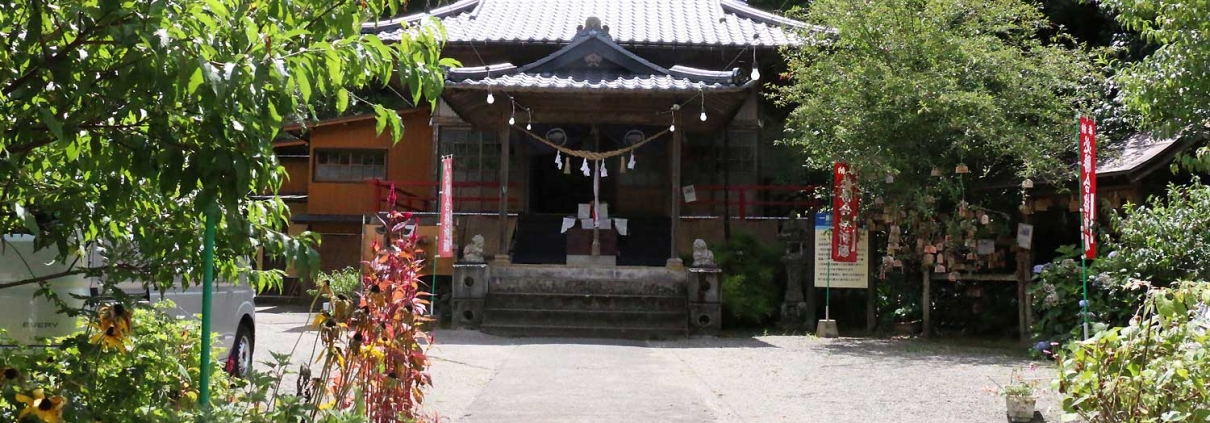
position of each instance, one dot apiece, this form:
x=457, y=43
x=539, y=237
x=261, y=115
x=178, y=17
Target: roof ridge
x=440, y=12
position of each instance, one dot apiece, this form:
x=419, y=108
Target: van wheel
x=241, y=354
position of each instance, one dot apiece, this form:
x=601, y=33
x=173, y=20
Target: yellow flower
x=320, y=319
x=109, y=337
x=50, y=410
x=9, y=375
x=115, y=315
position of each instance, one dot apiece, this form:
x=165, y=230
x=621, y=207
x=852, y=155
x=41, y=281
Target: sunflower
x=50, y=410
x=109, y=337
x=9, y=375
x=115, y=315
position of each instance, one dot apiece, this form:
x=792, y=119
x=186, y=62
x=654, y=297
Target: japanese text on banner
x=1088, y=185
x=445, y=235
x=844, y=211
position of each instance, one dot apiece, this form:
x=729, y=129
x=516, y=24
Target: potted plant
x=1019, y=398
x=906, y=322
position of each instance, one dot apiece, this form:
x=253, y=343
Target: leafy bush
x=1155, y=369
x=1166, y=240
x=147, y=373
x=373, y=352
x=341, y=282
x=1058, y=292
x=751, y=289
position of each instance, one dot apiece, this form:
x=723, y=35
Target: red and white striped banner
x=1088, y=185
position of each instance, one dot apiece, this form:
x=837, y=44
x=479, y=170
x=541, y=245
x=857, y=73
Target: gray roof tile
x=589, y=82
x=630, y=22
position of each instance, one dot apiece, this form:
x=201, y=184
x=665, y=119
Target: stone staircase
x=599, y=302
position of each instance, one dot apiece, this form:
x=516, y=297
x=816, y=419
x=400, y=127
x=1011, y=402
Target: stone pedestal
x=794, y=314
x=468, y=313
x=469, y=287
x=827, y=329
x=705, y=296
x=704, y=284
x=705, y=319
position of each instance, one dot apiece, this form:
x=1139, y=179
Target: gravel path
x=482, y=378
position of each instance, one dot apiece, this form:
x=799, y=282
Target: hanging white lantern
x=490, y=98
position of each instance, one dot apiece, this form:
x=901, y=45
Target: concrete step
x=620, y=283
x=569, y=331
x=607, y=302
x=673, y=320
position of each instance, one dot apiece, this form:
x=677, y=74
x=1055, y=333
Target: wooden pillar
x=505, y=145
x=1024, y=309
x=674, y=259
x=926, y=301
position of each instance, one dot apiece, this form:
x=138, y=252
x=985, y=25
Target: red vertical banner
x=844, y=214
x=1088, y=185
x=445, y=234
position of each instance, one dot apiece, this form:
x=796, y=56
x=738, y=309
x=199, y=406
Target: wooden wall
x=298, y=169
x=409, y=160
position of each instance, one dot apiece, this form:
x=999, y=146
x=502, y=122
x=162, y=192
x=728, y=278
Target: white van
x=27, y=319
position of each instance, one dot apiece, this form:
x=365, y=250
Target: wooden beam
x=502, y=251
x=926, y=302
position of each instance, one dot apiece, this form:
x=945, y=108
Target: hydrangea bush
x=1058, y=298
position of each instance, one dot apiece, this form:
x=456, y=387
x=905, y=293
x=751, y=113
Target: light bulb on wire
x=512, y=121
x=755, y=74
x=703, y=116
x=491, y=99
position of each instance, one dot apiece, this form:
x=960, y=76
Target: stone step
x=615, y=302
x=568, y=331
x=673, y=320
x=571, y=285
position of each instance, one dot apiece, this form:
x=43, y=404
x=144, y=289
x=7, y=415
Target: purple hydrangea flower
x=1038, y=268
x=1042, y=346
x=1083, y=303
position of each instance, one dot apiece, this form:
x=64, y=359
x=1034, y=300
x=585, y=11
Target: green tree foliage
x=751, y=289
x=1163, y=241
x=120, y=121
x=902, y=86
x=1170, y=88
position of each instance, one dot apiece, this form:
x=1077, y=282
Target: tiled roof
x=588, y=81
x=631, y=22
x=1138, y=150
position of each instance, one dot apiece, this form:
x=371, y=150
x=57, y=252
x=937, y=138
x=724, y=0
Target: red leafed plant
x=373, y=348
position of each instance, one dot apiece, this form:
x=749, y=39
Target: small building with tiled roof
x=589, y=138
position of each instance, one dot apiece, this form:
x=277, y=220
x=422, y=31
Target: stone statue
x=702, y=256
x=473, y=252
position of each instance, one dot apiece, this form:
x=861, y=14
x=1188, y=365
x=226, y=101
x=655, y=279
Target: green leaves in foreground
x=121, y=121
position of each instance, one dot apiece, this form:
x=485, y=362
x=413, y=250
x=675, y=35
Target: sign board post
x=1088, y=207
x=843, y=248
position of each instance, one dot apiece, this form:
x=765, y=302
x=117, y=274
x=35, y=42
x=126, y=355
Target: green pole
x=207, y=294
x=827, y=296
x=1084, y=281
x=436, y=251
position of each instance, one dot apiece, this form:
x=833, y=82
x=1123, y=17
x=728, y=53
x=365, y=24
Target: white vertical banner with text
x=445, y=234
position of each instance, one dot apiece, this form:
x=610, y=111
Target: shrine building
x=593, y=142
